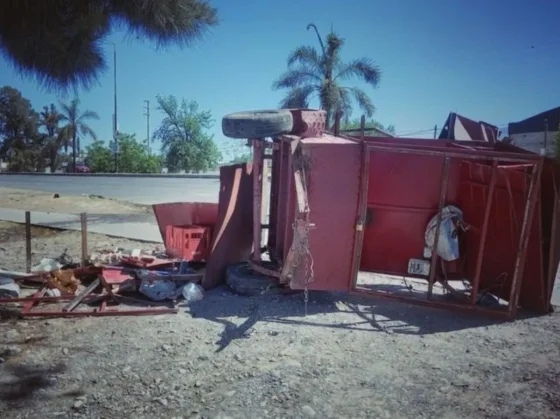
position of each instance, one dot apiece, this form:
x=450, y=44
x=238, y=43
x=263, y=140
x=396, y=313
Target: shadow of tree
x=26, y=381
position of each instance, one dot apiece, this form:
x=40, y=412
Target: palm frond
x=296, y=78
x=88, y=115
x=305, y=55
x=298, y=97
x=362, y=68
x=363, y=100
x=86, y=130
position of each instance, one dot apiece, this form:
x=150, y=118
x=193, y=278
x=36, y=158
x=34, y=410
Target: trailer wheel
x=257, y=124
x=244, y=281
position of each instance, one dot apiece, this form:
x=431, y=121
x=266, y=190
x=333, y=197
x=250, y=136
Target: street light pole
x=115, y=123
x=147, y=115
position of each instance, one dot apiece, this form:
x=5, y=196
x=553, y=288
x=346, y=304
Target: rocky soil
x=47, y=202
x=228, y=356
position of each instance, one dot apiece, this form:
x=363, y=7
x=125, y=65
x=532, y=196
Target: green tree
x=134, y=156
x=99, y=157
x=60, y=44
x=353, y=128
x=185, y=145
x=20, y=142
x=76, y=126
x=313, y=73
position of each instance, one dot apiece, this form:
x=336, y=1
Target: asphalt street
x=135, y=189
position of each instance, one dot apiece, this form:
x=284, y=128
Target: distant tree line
x=32, y=141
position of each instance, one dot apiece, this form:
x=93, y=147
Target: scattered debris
x=8, y=288
x=103, y=285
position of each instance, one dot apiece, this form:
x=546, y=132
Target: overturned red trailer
x=351, y=214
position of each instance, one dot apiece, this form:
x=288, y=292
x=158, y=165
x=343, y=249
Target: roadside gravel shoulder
x=28, y=200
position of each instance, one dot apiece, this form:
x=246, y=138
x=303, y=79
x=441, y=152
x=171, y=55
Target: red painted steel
x=191, y=243
x=402, y=197
x=185, y=213
x=333, y=177
x=233, y=234
x=309, y=122
x=258, y=160
x=502, y=237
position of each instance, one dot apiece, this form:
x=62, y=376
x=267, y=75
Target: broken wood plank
x=81, y=296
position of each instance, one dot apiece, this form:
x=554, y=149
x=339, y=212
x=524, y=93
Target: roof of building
x=460, y=128
x=550, y=118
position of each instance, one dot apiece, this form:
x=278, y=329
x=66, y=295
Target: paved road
x=139, y=190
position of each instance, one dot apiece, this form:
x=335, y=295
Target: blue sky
x=491, y=60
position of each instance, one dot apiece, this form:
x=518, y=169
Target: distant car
x=80, y=168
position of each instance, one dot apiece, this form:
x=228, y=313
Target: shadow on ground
x=363, y=314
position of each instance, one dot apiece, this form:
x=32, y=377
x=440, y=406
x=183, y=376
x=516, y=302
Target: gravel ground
x=229, y=356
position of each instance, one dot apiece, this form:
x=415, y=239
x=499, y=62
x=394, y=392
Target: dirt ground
x=228, y=356
x=46, y=202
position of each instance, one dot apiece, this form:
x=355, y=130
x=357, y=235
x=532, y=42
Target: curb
x=140, y=175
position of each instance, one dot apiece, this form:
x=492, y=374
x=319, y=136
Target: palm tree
x=49, y=119
x=318, y=74
x=60, y=44
x=76, y=126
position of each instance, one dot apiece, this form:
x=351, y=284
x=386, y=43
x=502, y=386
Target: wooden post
x=362, y=127
x=83, y=220
x=28, y=241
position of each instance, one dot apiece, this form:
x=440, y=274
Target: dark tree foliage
x=59, y=42
x=19, y=137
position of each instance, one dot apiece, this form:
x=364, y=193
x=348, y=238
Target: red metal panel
x=403, y=196
x=233, y=234
x=333, y=192
x=185, y=213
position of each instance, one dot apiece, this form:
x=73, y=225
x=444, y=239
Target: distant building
x=460, y=128
x=537, y=132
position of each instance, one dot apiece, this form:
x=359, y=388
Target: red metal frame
x=444, y=153
x=29, y=303
x=503, y=178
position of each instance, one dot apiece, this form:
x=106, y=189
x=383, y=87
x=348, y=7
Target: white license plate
x=419, y=267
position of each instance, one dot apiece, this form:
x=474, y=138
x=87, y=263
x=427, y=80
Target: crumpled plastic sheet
x=8, y=288
x=448, y=243
x=160, y=289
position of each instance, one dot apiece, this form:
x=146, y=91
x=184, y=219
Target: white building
x=536, y=133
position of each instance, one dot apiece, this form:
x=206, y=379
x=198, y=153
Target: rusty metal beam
x=482, y=242
x=258, y=154
x=463, y=154
x=362, y=211
x=526, y=225
x=442, y=196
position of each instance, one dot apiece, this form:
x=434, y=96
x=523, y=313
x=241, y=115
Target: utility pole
x=545, y=136
x=147, y=115
x=115, y=119
x=435, y=132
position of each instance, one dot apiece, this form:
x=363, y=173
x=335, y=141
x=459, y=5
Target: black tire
x=244, y=281
x=257, y=124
